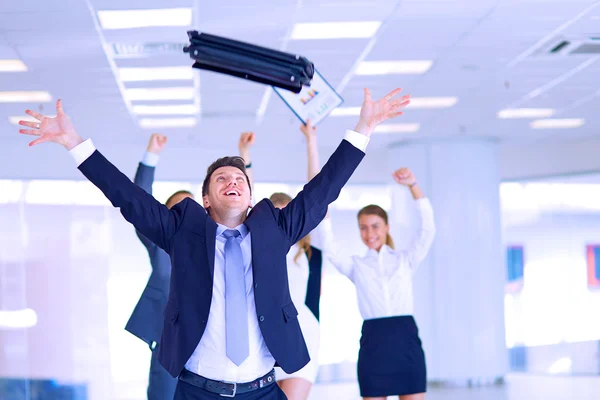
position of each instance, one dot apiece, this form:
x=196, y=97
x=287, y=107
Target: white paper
x=314, y=102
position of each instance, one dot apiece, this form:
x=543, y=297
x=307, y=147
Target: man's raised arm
x=153, y=219
x=309, y=207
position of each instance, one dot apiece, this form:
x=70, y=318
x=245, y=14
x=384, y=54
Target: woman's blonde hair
x=373, y=209
x=304, y=243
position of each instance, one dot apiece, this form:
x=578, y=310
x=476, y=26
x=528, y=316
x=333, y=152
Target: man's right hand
x=157, y=143
x=58, y=129
x=373, y=113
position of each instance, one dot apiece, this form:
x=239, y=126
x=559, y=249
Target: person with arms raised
x=391, y=361
x=229, y=318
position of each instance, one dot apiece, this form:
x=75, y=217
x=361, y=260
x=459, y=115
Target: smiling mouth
x=232, y=193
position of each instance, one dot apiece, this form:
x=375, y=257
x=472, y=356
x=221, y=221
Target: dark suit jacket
x=188, y=234
x=146, y=321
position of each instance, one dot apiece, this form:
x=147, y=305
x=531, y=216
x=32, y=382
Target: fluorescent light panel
x=509, y=113
x=345, y=112
x=128, y=19
x=12, y=66
x=156, y=74
x=183, y=109
x=335, y=30
x=398, y=128
x=393, y=67
x=172, y=93
x=432, y=102
x=14, y=119
x=563, y=123
x=168, y=122
x=25, y=97
x=18, y=319
x=415, y=102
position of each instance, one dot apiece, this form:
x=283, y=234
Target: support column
x=459, y=288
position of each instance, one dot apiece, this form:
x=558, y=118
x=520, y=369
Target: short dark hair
x=186, y=192
x=235, y=161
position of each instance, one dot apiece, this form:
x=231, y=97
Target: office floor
x=518, y=387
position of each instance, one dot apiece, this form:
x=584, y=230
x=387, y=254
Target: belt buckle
x=234, y=389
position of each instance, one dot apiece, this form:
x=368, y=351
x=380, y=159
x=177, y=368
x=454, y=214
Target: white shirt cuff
x=82, y=151
x=357, y=140
x=150, y=159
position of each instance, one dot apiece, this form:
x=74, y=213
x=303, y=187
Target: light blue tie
x=236, y=311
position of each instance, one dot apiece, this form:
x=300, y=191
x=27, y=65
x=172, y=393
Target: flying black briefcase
x=248, y=61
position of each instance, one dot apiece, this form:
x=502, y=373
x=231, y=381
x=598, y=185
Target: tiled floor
x=518, y=387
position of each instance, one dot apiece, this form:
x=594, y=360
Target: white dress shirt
x=209, y=359
x=383, y=279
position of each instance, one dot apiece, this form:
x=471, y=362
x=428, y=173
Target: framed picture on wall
x=515, y=265
x=593, y=265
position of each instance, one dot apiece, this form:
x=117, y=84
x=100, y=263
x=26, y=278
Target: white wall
x=555, y=313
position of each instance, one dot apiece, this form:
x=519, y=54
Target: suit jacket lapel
x=211, y=239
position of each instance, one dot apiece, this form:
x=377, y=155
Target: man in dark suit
x=146, y=321
x=229, y=318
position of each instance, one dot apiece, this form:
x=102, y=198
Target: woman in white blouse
x=297, y=385
x=391, y=361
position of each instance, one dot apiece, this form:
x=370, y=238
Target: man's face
x=228, y=191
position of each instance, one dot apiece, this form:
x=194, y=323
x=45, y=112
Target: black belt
x=226, y=389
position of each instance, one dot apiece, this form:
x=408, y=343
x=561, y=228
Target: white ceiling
x=485, y=52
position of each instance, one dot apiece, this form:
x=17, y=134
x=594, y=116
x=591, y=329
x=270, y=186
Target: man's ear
x=205, y=201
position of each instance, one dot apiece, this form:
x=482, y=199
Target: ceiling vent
x=566, y=46
x=590, y=47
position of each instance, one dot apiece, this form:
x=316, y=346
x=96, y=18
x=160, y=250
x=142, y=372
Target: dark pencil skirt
x=391, y=361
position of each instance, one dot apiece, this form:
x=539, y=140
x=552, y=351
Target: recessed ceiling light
x=12, y=66
x=18, y=319
x=14, y=119
x=25, y=97
x=156, y=74
x=184, y=109
x=127, y=19
x=168, y=122
x=335, y=30
x=398, y=128
x=173, y=93
x=345, y=112
x=415, y=102
x=432, y=102
x=393, y=67
x=508, y=113
x=559, y=123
